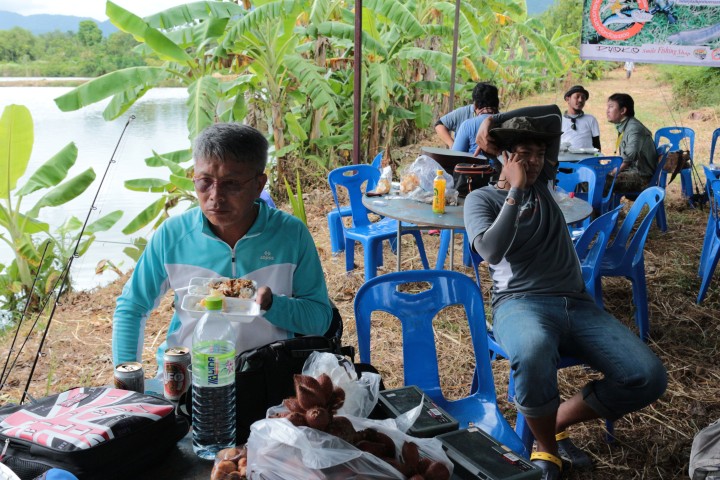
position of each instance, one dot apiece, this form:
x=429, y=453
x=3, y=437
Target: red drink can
x=176, y=376
x=130, y=376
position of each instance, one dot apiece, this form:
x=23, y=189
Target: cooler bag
x=93, y=432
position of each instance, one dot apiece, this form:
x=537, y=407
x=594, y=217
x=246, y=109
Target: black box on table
x=432, y=421
x=477, y=455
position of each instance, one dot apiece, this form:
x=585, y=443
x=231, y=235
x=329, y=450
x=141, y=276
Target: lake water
x=160, y=125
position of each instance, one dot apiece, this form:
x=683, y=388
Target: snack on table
x=383, y=186
x=409, y=182
x=234, y=287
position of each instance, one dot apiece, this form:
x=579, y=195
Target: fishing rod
x=3, y=378
x=62, y=280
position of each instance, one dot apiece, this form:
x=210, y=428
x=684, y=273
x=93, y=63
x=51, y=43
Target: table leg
x=398, y=246
x=452, y=249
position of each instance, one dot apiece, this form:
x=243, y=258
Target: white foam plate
x=234, y=308
x=201, y=285
x=583, y=150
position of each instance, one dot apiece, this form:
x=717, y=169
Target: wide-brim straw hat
x=521, y=129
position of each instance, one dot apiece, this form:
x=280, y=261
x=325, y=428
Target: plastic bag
x=361, y=394
x=418, y=177
x=385, y=182
x=277, y=450
x=426, y=170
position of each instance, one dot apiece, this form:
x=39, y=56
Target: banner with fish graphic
x=682, y=32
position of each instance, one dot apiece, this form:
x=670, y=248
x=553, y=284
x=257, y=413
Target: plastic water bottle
x=213, y=381
x=438, y=205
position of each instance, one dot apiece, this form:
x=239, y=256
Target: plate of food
x=238, y=297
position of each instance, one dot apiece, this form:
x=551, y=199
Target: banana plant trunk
x=279, y=142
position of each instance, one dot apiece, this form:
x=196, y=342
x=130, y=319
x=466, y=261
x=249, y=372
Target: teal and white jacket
x=277, y=251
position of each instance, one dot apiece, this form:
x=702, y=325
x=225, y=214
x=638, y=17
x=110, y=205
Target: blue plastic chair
x=569, y=182
x=369, y=234
x=710, y=175
x=416, y=311
x=590, y=249
x=715, y=136
x=675, y=135
x=659, y=179
x=624, y=257
x=711, y=250
x=444, y=248
x=602, y=166
x=335, y=216
x=265, y=196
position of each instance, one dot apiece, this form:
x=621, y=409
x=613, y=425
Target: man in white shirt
x=580, y=129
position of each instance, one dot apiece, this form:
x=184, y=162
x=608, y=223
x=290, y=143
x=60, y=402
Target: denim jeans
x=535, y=330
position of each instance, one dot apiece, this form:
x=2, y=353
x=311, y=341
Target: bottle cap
x=440, y=172
x=213, y=303
x=571, y=194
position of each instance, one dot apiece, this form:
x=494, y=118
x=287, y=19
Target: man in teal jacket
x=232, y=234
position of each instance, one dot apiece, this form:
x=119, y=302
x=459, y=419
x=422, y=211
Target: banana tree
x=20, y=229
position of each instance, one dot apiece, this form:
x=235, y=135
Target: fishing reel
x=665, y=7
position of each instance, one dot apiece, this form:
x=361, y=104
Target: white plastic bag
x=277, y=450
x=361, y=394
x=425, y=169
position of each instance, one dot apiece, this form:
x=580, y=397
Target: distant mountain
x=45, y=23
x=535, y=7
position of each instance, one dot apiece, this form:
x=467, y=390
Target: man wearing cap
x=580, y=129
x=450, y=122
x=635, y=144
x=541, y=310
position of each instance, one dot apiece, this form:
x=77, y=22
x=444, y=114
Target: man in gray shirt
x=540, y=307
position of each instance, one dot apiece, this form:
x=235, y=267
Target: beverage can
x=176, y=376
x=130, y=376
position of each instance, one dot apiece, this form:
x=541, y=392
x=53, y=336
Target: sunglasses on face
x=231, y=185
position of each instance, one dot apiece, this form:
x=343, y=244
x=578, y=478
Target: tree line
x=85, y=53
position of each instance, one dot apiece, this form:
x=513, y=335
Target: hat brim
x=509, y=137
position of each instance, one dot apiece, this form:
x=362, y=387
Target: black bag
x=677, y=161
x=92, y=432
x=471, y=176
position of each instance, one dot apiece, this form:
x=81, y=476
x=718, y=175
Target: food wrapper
x=416, y=181
x=385, y=182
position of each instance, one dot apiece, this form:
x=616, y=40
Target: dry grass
x=651, y=444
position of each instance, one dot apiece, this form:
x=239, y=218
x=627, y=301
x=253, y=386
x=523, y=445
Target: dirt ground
x=651, y=444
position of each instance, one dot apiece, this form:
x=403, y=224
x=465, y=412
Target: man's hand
x=513, y=170
x=264, y=298
x=484, y=141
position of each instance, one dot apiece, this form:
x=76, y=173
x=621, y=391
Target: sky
x=86, y=8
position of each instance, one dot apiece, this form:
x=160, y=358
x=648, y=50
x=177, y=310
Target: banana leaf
x=52, y=172
x=16, y=142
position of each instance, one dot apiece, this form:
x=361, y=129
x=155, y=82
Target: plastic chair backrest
x=659, y=178
x=570, y=180
x=710, y=175
x=715, y=205
x=590, y=249
x=416, y=311
x=715, y=136
x=627, y=245
x=377, y=161
x=352, y=177
x=675, y=135
x=602, y=167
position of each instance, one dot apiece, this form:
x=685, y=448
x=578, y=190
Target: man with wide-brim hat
x=580, y=130
x=541, y=309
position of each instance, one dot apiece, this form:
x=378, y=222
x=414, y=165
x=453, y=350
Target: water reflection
x=160, y=125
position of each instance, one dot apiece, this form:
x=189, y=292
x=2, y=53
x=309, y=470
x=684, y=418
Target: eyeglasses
x=572, y=123
x=232, y=185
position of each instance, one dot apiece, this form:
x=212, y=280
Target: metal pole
x=453, y=69
x=357, y=84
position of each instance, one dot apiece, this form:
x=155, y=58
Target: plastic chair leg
x=372, y=249
x=349, y=255
x=709, y=269
x=707, y=243
x=335, y=227
x=640, y=298
x=467, y=256
x=379, y=259
x=660, y=217
x=443, y=249
x=686, y=182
